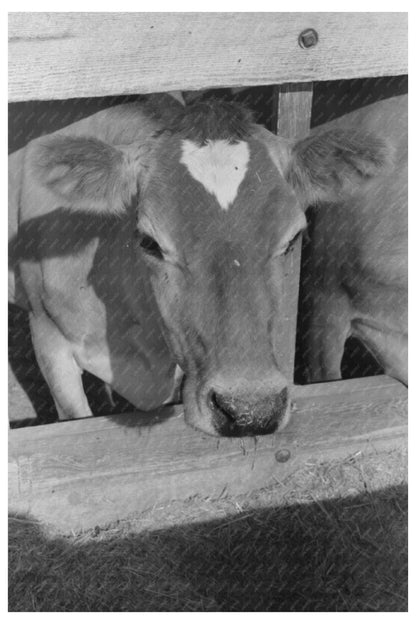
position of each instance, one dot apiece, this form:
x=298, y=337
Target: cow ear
x=326, y=167
x=85, y=173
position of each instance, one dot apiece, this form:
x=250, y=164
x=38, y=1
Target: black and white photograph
x=207, y=311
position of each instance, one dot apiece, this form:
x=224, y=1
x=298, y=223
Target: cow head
x=219, y=203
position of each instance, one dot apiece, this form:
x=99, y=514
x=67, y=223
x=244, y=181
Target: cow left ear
x=328, y=166
x=85, y=173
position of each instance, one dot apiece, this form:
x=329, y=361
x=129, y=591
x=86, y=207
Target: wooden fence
x=80, y=473
x=65, y=55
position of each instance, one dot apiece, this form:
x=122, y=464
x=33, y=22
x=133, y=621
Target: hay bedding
x=332, y=538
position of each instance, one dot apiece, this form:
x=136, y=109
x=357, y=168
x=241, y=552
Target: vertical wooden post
x=293, y=106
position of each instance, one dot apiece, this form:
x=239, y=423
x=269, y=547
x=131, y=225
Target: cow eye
x=150, y=246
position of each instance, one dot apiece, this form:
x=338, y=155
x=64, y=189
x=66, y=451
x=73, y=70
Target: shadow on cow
x=64, y=234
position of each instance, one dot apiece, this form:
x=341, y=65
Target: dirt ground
x=332, y=537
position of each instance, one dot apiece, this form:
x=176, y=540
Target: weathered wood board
x=66, y=55
x=293, y=115
x=79, y=474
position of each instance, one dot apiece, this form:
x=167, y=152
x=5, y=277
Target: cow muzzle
x=248, y=412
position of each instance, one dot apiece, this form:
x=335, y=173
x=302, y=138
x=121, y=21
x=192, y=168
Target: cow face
x=217, y=212
x=215, y=223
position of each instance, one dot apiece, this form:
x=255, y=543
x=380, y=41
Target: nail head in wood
x=282, y=455
x=308, y=38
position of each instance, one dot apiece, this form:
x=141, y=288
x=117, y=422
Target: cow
x=151, y=238
x=355, y=280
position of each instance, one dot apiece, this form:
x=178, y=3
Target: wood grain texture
x=77, y=474
x=294, y=109
x=65, y=55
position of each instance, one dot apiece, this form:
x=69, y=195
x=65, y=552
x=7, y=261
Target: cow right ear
x=331, y=165
x=85, y=173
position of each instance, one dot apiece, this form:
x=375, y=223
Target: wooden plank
x=78, y=474
x=294, y=108
x=66, y=55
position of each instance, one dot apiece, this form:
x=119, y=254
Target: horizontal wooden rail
x=78, y=474
x=67, y=55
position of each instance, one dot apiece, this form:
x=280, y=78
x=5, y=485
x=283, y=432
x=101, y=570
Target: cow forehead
x=218, y=189
x=220, y=166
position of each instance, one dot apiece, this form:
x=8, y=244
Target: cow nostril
x=222, y=405
x=246, y=414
